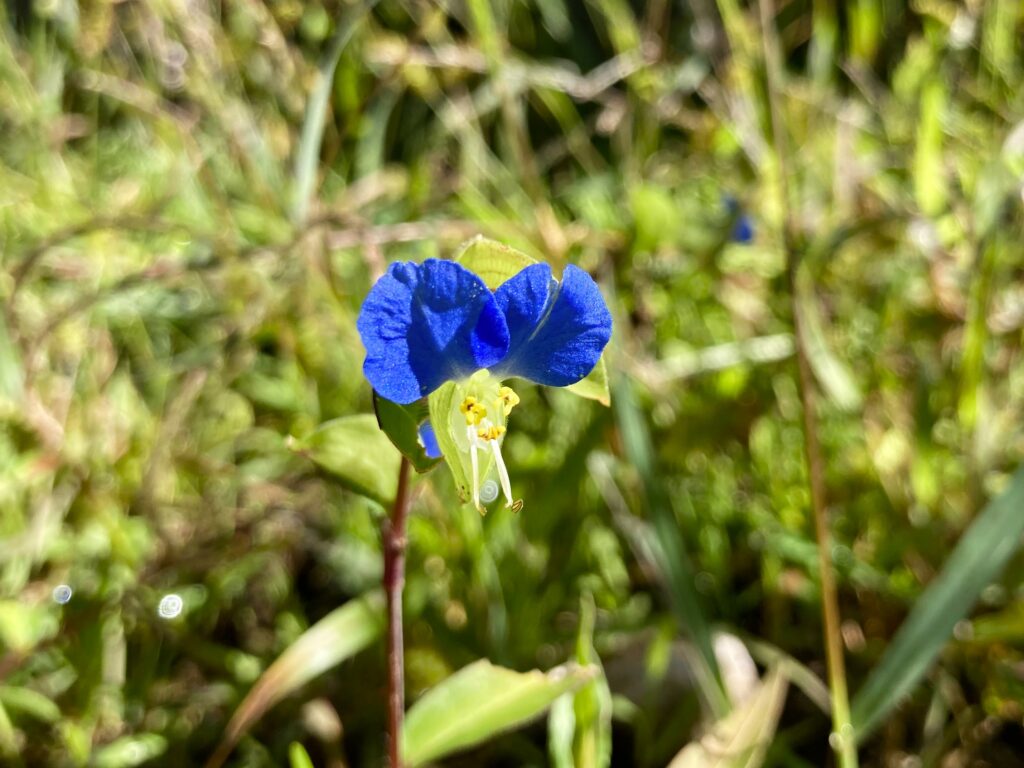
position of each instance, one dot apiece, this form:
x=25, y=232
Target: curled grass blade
x=339, y=635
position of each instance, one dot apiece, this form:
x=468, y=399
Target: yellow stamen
x=508, y=399
x=473, y=410
x=492, y=432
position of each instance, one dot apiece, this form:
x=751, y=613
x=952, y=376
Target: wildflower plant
x=445, y=339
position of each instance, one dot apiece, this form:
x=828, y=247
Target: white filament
x=473, y=443
x=506, y=484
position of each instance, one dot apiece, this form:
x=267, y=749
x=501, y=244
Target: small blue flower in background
x=742, y=225
x=426, y=324
x=743, y=230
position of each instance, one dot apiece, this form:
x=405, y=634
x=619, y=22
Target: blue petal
x=425, y=324
x=428, y=439
x=557, y=332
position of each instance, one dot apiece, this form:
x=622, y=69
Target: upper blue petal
x=557, y=331
x=424, y=324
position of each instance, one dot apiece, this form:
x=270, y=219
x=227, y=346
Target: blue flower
x=427, y=324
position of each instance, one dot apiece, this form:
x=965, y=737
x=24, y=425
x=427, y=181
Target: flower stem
x=394, y=581
x=843, y=740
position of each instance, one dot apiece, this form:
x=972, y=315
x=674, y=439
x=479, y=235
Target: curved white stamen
x=506, y=485
x=473, y=443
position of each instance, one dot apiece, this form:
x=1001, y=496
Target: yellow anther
x=508, y=399
x=474, y=411
x=492, y=432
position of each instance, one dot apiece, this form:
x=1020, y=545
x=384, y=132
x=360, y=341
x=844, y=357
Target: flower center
x=485, y=408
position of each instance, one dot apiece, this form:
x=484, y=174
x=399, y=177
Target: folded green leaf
x=354, y=450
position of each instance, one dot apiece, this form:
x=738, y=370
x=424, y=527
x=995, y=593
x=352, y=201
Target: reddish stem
x=394, y=581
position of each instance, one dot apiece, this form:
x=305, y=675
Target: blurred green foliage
x=183, y=258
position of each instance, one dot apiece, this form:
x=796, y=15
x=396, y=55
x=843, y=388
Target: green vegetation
x=196, y=196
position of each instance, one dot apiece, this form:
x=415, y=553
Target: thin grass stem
x=843, y=739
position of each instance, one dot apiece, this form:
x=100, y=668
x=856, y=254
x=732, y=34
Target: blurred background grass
x=194, y=198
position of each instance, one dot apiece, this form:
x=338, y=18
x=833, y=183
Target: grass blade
x=979, y=557
x=666, y=545
x=340, y=634
x=307, y=156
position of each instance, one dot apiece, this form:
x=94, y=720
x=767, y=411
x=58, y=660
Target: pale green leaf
x=741, y=738
x=491, y=261
x=355, y=451
x=480, y=701
x=992, y=539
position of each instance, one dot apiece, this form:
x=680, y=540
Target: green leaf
x=29, y=702
x=355, y=451
x=480, y=701
x=340, y=634
x=984, y=549
x=491, y=261
x=580, y=724
x=595, y=385
x=298, y=757
x=401, y=424
x=129, y=751
x=741, y=739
